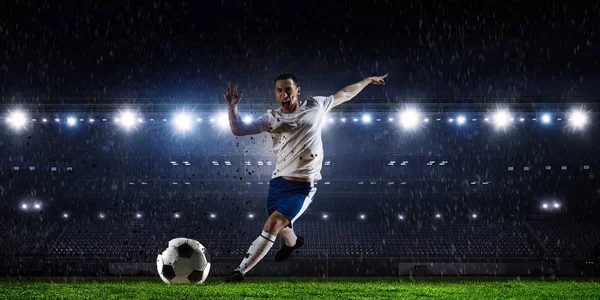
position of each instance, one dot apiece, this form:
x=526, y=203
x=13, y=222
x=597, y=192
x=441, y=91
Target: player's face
x=286, y=93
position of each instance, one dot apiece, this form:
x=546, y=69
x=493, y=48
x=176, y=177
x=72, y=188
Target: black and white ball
x=183, y=260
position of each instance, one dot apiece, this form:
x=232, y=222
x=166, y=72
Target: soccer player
x=295, y=128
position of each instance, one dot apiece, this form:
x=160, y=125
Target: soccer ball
x=183, y=260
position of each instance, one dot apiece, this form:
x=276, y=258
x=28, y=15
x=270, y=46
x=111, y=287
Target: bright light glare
x=183, y=121
x=71, y=121
x=409, y=118
x=127, y=119
x=578, y=119
x=246, y=119
x=556, y=205
x=546, y=118
x=461, y=120
x=366, y=118
x=223, y=120
x=17, y=119
x=501, y=118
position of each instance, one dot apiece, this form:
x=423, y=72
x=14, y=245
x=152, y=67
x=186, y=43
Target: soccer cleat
x=236, y=276
x=285, y=251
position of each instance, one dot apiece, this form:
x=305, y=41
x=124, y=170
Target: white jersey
x=297, y=137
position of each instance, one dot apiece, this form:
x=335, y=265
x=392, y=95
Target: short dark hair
x=287, y=76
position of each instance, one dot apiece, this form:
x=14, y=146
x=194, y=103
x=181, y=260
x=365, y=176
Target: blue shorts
x=290, y=198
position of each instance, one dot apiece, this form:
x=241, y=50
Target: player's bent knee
x=275, y=223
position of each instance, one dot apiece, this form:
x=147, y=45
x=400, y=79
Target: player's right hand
x=231, y=95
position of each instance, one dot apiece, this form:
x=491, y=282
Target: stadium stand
x=141, y=240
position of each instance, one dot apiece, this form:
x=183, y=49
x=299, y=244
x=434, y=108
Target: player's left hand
x=378, y=79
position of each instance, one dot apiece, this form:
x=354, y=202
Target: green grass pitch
x=302, y=288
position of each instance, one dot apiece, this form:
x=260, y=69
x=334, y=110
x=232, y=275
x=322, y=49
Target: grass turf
x=302, y=288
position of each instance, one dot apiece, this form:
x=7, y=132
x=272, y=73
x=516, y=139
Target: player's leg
x=261, y=246
x=289, y=236
x=294, y=207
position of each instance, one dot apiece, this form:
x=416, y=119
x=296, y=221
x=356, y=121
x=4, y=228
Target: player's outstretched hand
x=231, y=95
x=378, y=79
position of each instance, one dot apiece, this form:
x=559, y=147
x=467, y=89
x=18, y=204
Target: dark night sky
x=64, y=50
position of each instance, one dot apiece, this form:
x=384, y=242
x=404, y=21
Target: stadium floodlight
x=17, y=119
x=546, y=118
x=37, y=206
x=183, y=121
x=438, y=216
x=176, y=216
x=578, y=119
x=461, y=120
x=545, y=205
x=325, y=216
x=366, y=118
x=250, y=216
x=212, y=216
x=127, y=119
x=223, y=120
x=71, y=121
x=401, y=217
x=24, y=206
x=556, y=205
x=343, y=120
x=102, y=215
x=138, y=215
x=501, y=118
x=474, y=216
x=65, y=215
x=409, y=118
x=246, y=120
x=362, y=216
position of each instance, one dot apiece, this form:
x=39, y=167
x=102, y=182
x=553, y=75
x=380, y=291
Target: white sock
x=258, y=250
x=289, y=236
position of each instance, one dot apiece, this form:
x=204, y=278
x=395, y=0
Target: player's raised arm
x=238, y=127
x=352, y=90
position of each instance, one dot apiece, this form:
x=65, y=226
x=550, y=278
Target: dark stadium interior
x=382, y=190
x=93, y=198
